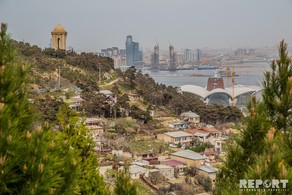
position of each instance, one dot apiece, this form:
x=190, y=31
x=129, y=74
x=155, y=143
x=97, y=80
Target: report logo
x=255, y=185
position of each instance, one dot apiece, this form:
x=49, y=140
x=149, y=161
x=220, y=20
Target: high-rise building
x=155, y=58
x=172, y=60
x=122, y=52
x=115, y=51
x=187, y=55
x=129, y=51
x=199, y=55
x=136, y=52
x=134, y=55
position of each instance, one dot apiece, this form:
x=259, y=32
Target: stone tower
x=59, y=36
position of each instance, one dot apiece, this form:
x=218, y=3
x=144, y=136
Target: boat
x=206, y=67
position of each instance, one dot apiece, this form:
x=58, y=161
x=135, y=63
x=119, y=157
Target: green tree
x=124, y=185
x=29, y=161
x=243, y=150
x=278, y=88
x=74, y=132
x=257, y=152
x=271, y=164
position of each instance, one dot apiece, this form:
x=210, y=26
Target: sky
x=96, y=24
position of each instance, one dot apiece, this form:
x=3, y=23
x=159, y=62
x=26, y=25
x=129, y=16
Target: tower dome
x=59, y=36
x=59, y=28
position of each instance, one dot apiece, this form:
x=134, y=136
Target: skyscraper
x=199, y=55
x=155, y=58
x=136, y=51
x=129, y=51
x=133, y=52
x=172, y=61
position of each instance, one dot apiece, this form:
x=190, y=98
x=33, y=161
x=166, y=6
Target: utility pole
x=233, y=83
x=59, y=77
x=99, y=74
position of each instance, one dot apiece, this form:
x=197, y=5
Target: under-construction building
x=155, y=58
x=172, y=60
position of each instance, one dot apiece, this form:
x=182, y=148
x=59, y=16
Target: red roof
x=214, y=83
x=193, y=131
x=210, y=130
x=150, y=158
x=173, y=162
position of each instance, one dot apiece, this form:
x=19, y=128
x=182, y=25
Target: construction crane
x=231, y=73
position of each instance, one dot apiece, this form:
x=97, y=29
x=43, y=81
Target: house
x=150, y=160
x=107, y=93
x=207, y=171
x=211, y=156
x=166, y=171
x=190, y=117
x=176, y=164
x=75, y=102
x=175, y=137
x=213, y=131
x=200, y=135
x=189, y=157
x=218, y=143
x=110, y=99
x=205, y=134
x=135, y=171
x=95, y=125
x=177, y=124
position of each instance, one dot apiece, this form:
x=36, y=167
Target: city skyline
x=94, y=25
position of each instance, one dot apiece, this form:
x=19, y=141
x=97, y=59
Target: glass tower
x=129, y=51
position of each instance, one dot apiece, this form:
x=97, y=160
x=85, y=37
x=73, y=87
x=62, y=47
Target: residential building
x=176, y=164
x=175, y=137
x=199, y=135
x=166, y=171
x=190, y=117
x=189, y=157
x=207, y=171
x=177, y=124
x=135, y=171
x=75, y=102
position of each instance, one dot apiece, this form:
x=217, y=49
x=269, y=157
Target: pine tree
x=74, y=132
x=29, y=163
x=277, y=90
x=271, y=164
x=259, y=153
x=241, y=153
x=124, y=185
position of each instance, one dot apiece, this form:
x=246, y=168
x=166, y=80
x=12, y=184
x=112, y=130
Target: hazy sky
x=96, y=24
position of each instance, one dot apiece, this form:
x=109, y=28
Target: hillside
x=136, y=93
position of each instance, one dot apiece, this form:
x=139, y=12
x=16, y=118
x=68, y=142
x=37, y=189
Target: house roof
x=210, y=130
x=93, y=120
x=208, y=169
x=175, y=122
x=173, y=162
x=201, y=134
x=189, y=114
x=163, y=167
x=75, y=99
x=177, y=134
x=136, y=169
x=189, y=155
x=193, y=131
x=106, y=92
